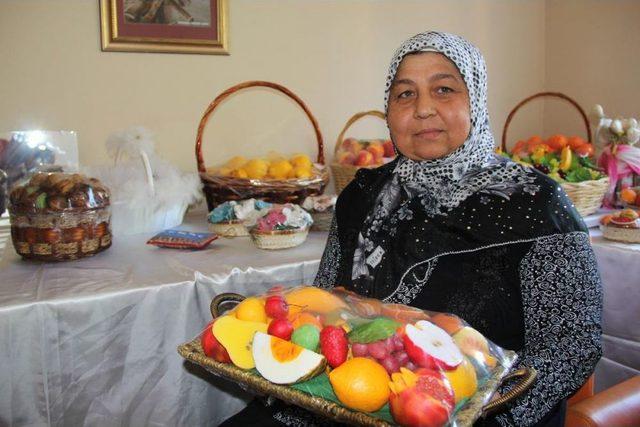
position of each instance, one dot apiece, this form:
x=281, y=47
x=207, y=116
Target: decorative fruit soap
x=422, y=398
x=361, y=384
x=212, y=347
x=365, y=152
x=565, y=159
x=307, y=336
x=236, y=337
x=273, y=167
x=283, y=362
x=431, y=347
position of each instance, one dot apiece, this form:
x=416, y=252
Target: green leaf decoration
x=578, y=175
x=384, y=413
x=376, y=330
x=41, y=201
x=320, y=386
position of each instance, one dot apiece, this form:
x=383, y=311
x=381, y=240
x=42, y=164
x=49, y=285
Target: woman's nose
x=424, y=107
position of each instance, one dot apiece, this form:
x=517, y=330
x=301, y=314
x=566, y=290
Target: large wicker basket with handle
x=586, y=195
x=343, y=174
x=477, y=405
x=219, y=189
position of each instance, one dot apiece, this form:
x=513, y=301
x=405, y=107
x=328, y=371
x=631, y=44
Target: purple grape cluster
x=389, y=353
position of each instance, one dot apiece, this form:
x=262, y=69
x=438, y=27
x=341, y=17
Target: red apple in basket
x=429, y=346
x=212, y=347
x=346, y=158
x=420, y=399
x=352, y=145
x=389, y=151
x=376, y=149
x=365, y=158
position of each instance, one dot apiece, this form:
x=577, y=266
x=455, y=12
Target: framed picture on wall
x=171, y=26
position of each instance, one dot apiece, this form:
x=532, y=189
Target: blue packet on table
x=180, y=239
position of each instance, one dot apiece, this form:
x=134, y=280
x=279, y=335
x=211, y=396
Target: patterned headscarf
x=440, y=184
x=477, y=150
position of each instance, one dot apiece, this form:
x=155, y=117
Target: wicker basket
x=278, y=239
x=234, y=228
x=60, y=236
x=321, y=221
x=586, y=196
x=474, y=408
x=219, y=189
x=343, y=174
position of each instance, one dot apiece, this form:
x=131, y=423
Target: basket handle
x=526, y=378
x=254, y=83
x=145, y=164
x=539, y=95
x=351, y=121
x=223, y=299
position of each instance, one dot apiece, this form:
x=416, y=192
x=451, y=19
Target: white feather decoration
x=137, y=206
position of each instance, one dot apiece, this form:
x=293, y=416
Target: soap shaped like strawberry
x=334, y=345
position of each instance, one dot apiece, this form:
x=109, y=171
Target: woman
x=450, y=227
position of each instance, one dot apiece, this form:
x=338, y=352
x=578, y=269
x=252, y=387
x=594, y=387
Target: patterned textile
x=440, y=184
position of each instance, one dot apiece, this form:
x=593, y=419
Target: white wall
x=332, y=53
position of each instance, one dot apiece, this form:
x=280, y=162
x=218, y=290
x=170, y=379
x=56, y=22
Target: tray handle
x=223, y=299
x=526, y=378
x=503, y=145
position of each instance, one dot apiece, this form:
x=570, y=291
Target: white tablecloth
x=619, y=265
x=93, y=342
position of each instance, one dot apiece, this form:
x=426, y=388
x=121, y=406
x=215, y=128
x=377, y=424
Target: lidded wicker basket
x=59, y=217
x=344, y=174
x=586, y=196
x=219, y=189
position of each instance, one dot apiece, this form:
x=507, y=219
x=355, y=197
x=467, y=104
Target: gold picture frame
x=165, y=26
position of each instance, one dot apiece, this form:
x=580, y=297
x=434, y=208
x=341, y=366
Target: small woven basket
x=618, y=234
x=343, y=174
x=279, y=239
x=234, y=228
x=219, y=189
x=586, y=196
x=321, y=220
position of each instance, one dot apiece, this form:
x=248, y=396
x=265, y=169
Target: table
x=619, y=266
x=93, y=342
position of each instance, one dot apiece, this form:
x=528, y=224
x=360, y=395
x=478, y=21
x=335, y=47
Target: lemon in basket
x=280, y=169
x=256, y=168
x=236, y=162
x=301, y=160
x=361, y=384
x=239, y=173
x=302, y=172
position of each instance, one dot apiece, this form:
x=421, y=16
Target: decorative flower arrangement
x=284, y=217
x=620, y=158
x=246, y=211
x=565, y=159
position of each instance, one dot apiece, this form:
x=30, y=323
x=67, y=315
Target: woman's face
x=428, y=109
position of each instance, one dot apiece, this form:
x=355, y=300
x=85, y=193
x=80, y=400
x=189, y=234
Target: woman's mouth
x=429, y=134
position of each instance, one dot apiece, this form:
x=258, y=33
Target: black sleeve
x=562, y=304
x=330, y=264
